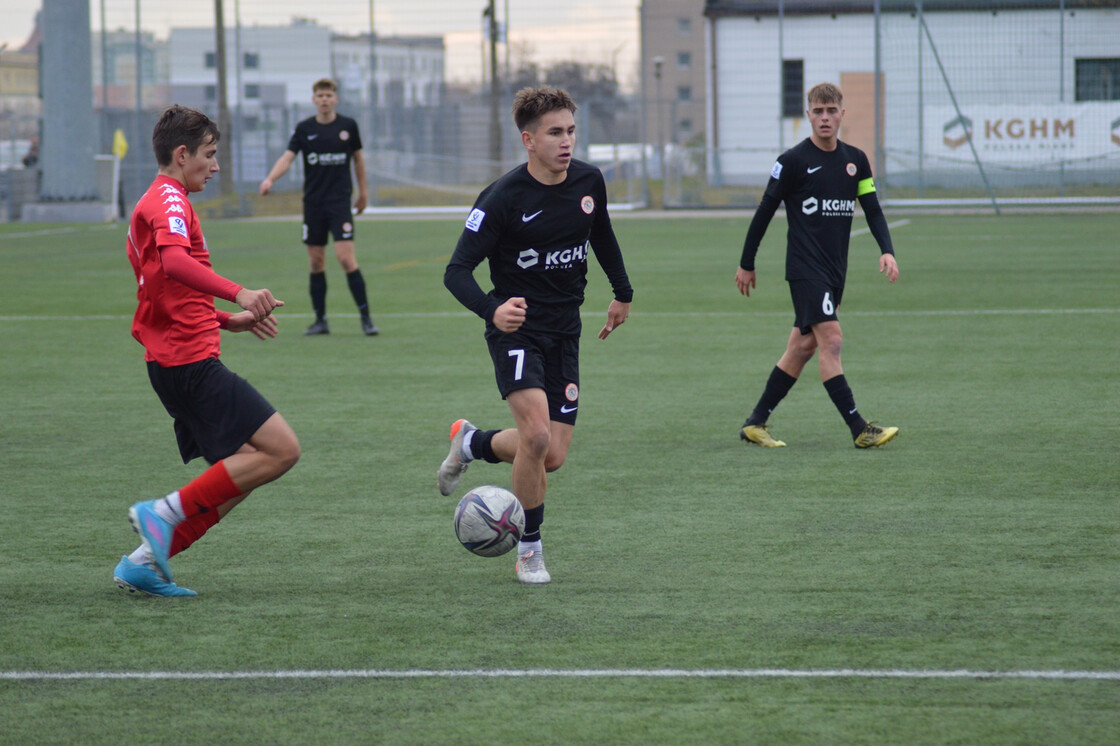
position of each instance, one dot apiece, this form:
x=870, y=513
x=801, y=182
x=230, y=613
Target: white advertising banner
x=1024, y=134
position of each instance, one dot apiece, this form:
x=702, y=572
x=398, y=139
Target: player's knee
x=554, y=461
x=535, y=444
x=286, y=455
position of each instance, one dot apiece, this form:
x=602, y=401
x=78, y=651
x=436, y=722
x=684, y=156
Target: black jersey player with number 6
x=819, y=180
x=536, y=226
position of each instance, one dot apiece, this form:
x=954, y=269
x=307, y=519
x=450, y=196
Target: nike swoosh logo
x=312, y=137
x=527, y=218
x=567, y=410
x=814, y=170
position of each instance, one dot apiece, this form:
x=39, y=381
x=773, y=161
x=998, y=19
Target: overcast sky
x=600, y=31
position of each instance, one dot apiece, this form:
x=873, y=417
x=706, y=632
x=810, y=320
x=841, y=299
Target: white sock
x=465, y=454
x=170, y=508
x=524, y=547
x=140, y=556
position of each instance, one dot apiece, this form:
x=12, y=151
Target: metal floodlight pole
x=224, y=149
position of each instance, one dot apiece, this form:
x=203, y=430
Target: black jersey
x=820, y=189
x=327, y=151
x=537, y=238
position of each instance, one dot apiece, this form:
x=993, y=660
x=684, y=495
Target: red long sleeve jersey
x=176, y=324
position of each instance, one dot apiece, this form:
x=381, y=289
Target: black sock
x=777, y=386
x=358, y=289
x=841, y=395
x=534, y=517
x=319, y=294
x=480, y=446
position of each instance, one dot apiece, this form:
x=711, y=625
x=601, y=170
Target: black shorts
x=215, y=410
x=320, y=220
x=523, y=360
x=813, y=302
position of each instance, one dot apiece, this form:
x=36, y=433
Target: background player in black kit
x=329, y=142
x=535, y=226
x=819, y=180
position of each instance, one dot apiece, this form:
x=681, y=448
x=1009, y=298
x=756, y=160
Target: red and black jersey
x=537, y=238
x=327, y=151
x=820, y=189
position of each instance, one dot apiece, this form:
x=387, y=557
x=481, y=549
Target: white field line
x=895, y=224
x=652, y=314
x=558, y=673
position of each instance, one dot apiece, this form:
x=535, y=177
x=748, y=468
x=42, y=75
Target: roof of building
x=837, y=7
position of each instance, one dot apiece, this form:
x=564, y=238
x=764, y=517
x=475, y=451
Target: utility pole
x=225, y=153
x=495, y=92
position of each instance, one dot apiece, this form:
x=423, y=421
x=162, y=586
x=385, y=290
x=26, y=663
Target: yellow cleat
x=757, y=434
x=874, y=436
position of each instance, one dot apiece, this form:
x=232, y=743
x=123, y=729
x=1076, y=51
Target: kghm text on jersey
x=558, y=259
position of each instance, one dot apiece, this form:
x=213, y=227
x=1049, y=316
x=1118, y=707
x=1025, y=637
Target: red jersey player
x=218, y=415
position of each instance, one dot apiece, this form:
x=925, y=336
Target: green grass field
x=704, y=591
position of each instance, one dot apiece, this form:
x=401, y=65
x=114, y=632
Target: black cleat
x=319, y=327
x=368, y=327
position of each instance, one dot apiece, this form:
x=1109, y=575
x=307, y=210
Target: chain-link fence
x=990, y=102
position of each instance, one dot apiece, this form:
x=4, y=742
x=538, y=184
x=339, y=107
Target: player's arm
x=360, y=177
x=180, y=266
x=609, y=255
x=243, y=321
x=475, y=243
x=283, y=163
x=767, y=207
x=877, y=222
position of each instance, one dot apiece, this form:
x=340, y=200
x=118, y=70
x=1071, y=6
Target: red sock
x=209, y=490
x=191, y=530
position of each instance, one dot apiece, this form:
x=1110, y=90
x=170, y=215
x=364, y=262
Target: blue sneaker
x=155, y=532
x=135, y=578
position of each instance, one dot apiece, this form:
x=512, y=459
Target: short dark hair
x=180, y=125
x=530, y=104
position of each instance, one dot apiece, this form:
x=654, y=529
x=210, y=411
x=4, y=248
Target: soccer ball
x=489, y=521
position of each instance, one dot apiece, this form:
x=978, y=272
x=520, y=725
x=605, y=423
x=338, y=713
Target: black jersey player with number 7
x=819, y=180
x=536, y=226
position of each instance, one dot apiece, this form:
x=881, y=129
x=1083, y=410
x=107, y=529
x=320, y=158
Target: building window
x=684, y=127
x=684, y=60
x=793, y=86
x=1098, y=79
x=252, y=90
x=684, y=93
x=211, y=92
x=210, y=60
x=251, y=60
x=252, y=123
x=684, y=27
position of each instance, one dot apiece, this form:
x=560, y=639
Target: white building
x=1017, y=86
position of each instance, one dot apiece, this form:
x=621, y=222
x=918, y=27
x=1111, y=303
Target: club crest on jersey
x=347, y=227
x=587, y=204
x=177, y=225
x=571, y=392
x=851, y=169
x=344, y=135
x=474, y=220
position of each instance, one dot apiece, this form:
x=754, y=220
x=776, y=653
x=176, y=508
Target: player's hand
x=617, y=313
x=510, y=315
x=889, y=265
x=266, y=187
x=360, y=205
x=243, y=321
x=258, y=302
x=744, y=278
